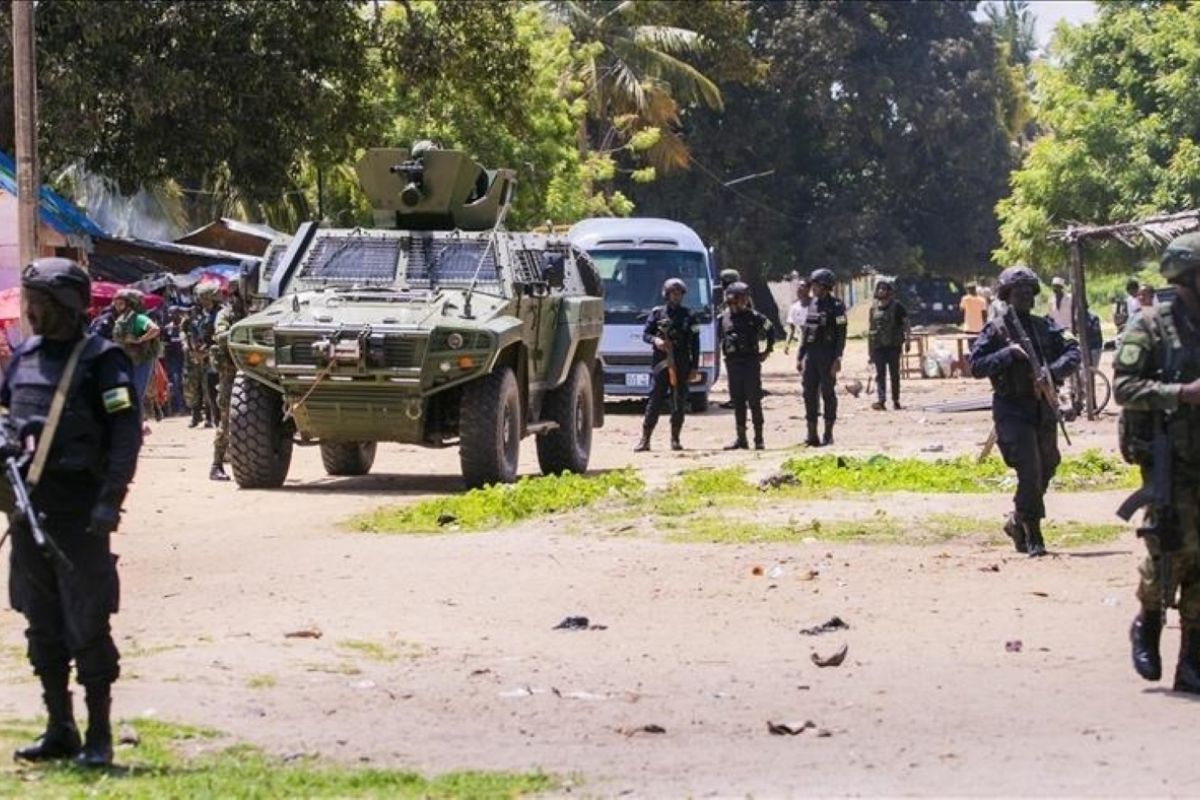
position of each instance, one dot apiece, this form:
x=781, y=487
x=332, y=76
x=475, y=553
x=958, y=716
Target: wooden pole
x=1079, y=294
x=25, y=112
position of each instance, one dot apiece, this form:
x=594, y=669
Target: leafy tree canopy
x=1122, y=119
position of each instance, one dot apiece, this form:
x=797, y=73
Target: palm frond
x=676, y=41
x=1156, y=231
x=687, y=82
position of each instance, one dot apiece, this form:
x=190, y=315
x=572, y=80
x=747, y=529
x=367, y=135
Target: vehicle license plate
x=637, y=379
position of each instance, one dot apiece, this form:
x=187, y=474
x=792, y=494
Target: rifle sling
x=57, y=404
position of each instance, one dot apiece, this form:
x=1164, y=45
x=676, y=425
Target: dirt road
x=438, y=652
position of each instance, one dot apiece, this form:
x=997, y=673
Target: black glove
x=10, y=439
x=105, y=519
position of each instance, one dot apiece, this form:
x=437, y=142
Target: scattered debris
x=957, y=406
x=830, y=625
x=1014, y=646
x=477, y=672
x=934, y=448
x=520, y=691
x=128, y=735
x=651, y=728
x=756, y=571
x=311, y=632
x=824, y=733
x=446, y=518
x=990, y=568
x=854, y=388
x=572, y=624
x=834, y=660
x=1040, y=594
x=775, y=571
x=778, y=481
x=790, y=728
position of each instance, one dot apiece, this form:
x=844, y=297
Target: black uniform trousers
x=661, y=392
x=745, y=389
x=1027, y=435
x=67, y=610
x=887, y=362
x=818, y=385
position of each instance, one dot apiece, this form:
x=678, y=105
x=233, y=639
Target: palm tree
x=1015, y=25
x=635, y=75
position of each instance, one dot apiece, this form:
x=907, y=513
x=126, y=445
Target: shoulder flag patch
x=118, y=399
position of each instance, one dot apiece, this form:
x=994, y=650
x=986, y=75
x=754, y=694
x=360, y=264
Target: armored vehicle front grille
x=272, y=262
x=399, y=352
x=529, y=266
x=449, y=261
x=357, y=260
x=633, y=360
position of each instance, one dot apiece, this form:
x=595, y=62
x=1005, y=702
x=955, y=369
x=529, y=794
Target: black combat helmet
x=673, y=283
x=823, y=277
x=1013, y=277
x=1181, y=257
x=737, y=289
x=730, y=277
x=62, y=279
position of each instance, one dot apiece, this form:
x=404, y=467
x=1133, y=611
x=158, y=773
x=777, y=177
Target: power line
x=752, y=201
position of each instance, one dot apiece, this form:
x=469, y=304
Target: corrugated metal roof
x=54, y=210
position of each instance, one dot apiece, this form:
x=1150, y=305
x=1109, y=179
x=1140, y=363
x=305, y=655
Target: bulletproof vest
x=1178, y=360
x=820, y=328
x=676, y=325
x=78, y=444
x=883, y=330
x=739, y=334
x=1017, y=380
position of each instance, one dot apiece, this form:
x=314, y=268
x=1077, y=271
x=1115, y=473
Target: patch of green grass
x=158, y=767
x=962, y=475
x=380, y=651
x=261, y=682
x=502, y=504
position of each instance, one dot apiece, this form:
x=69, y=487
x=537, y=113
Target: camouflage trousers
x=1184, y=564
x=225, y=376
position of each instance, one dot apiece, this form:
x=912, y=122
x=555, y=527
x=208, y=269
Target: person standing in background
x=798, y=314
x=1060, y=305
x=974, y=310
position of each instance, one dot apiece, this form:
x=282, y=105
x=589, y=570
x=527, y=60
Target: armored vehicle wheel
x=490, y=429
x=260, y=442
x=347, y=458
x=568, y=448
x=698, y=402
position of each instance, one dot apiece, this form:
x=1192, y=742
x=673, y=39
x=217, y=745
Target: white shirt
x=1132, y=305
x=798, y=314
x=1060, y=311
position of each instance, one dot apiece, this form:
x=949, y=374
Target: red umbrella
x=103, y=293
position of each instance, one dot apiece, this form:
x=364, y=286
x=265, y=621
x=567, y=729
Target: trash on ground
x=651, y=728
x=834, y=660
x=128, y=735
x=312, y=632
x=778, y=481
x=830, y=625
x=790, y=728
x=572, y=624
x=1014, y=645
x=934, y=448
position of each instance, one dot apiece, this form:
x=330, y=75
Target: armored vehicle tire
x=260, y=442
x=567, y=448
x=490, y=429
x=347, y=458
x=698, y=402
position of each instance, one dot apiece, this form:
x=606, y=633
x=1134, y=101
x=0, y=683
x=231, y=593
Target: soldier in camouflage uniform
x=199, y=326
x=226, y=369
x=1158, y=386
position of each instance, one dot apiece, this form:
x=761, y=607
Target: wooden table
x=962, y=342
x=912, y=363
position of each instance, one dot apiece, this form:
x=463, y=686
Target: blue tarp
x=54, y=210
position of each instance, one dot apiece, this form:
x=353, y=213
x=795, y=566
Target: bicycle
x=1071, y=399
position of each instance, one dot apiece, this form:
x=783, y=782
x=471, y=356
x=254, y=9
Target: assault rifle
x=1160, y=527
x=1043, y=381
x=23, y=506
x=664, y=327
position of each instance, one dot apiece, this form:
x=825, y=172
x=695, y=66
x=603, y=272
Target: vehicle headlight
x=454, y=341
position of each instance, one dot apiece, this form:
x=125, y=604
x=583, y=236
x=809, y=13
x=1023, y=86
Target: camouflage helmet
x=206, y=289
x=823, y=277
x=884, y=283
x=673, y=283
x=131, y=296
x=62, y=279
x=737, y=289
x=1016, y=276
x=1181, y=257
x=730, y=276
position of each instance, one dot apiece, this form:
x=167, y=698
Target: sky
x=1049, y=13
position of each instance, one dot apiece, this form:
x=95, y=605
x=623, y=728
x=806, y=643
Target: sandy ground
x=438, y=652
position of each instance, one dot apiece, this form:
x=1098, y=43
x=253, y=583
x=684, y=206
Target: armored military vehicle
x=435, y=328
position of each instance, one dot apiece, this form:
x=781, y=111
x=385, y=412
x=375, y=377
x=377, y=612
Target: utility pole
x=25, y=108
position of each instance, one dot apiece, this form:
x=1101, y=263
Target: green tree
x=1122, y=118
x=1015, y=26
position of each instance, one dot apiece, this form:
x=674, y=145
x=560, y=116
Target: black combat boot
x=675, y=444
x=1033, y=535
x=758, y=438
x=643, y=444
x=740, y=442
x=1144, y=635
x=97, y=749
x=1016, y=531
x=827, y=439
x=61, y=739
x=196, y=418
x=1187, y=672
x=813, y=440
x=217, y=473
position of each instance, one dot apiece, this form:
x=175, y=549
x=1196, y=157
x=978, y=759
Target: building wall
x=49, y=242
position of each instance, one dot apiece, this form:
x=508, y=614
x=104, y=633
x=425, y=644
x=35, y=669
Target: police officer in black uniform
x=674, y=332
x=741, y=328
x=819, y=359
x=1026, y=425
x=92, y=453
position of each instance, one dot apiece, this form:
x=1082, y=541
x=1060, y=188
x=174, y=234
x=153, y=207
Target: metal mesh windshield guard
x=438, y=261
x=352, y=260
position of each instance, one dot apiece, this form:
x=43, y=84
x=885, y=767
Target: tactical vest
x=739, y=335
x=138, y=352
x=884, y=332
x=1176, y=364
x=820, y=327
x=1018, y=380
x=34, y=375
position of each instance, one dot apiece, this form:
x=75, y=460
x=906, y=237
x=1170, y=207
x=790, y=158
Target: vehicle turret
x=427, y=188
